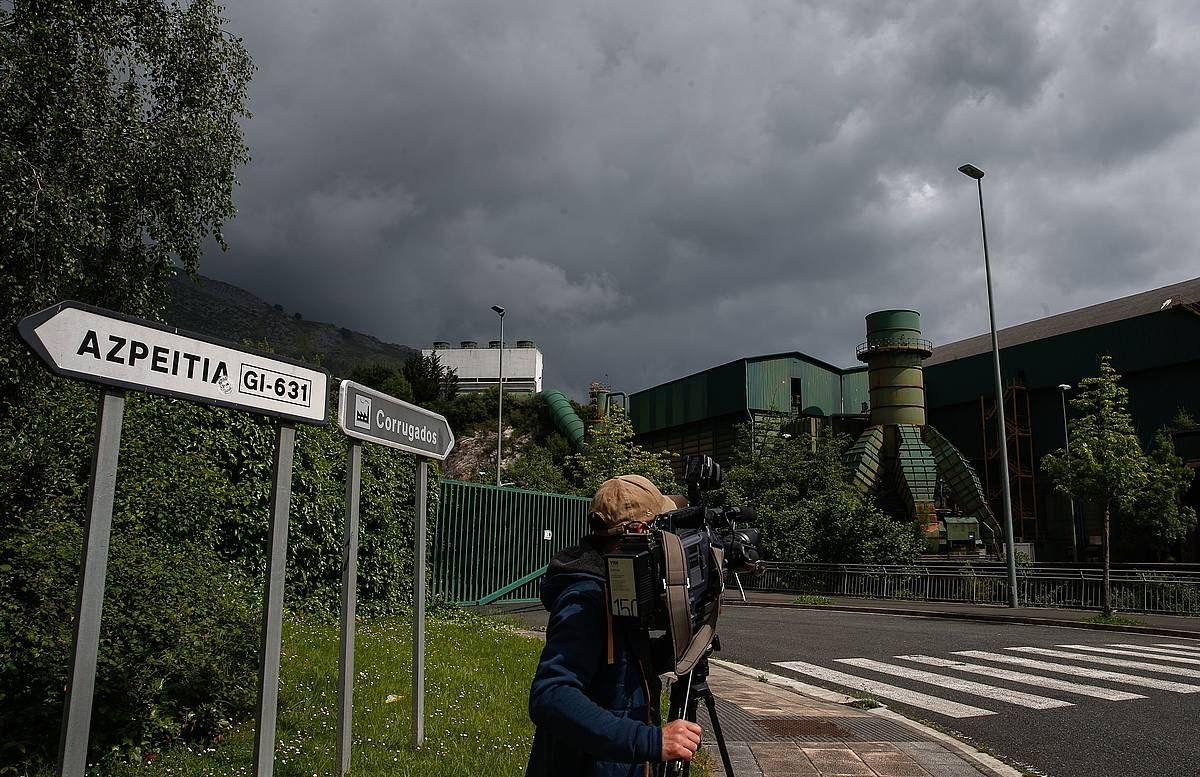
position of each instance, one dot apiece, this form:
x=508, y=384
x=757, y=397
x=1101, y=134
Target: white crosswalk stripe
x=1159, y=650
x=1194, y=648
x=1094, y=691
x=958, y=684
x=1082, y=671
x=1135, y=653
x=936, y=704
x=1121, y=662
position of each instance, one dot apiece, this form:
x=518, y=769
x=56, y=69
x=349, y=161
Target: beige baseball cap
x=626, y=498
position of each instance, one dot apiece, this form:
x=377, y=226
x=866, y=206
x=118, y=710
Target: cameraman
x=595, y=695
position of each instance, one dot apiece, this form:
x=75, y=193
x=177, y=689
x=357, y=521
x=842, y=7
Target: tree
x=430, y=381
x=537, y=470
x=807, y=510
x=1105, y=465
x=382, y=378
x=1159, y=510
x=121, y=136
x=610, y=451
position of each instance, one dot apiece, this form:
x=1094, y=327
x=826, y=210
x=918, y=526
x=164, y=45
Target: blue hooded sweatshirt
x=594, y=704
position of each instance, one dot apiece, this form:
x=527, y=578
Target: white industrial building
x=478, y=368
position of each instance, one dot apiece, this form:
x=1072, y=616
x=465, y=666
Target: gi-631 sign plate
x=92, y=344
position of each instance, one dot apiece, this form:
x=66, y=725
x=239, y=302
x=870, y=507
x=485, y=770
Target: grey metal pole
x=81, y=682
x=1004, y=482
x=349, y=603
x=418, y=631
x=272, y=629
x=500, y=413
x=1067, y=444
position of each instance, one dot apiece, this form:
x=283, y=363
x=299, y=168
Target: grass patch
x=1114, y=620
x=811, y=599
x=476, y=690
x=864, y=701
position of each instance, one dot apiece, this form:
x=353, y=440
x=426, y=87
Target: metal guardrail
x=1133, y=590
x=901, y=342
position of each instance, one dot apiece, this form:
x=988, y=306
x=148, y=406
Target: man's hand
x=680, y=739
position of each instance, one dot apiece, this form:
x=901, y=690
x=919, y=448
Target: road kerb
x=990, y=764
x=980, y=617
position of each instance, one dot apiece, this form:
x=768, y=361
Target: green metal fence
x=493, y=544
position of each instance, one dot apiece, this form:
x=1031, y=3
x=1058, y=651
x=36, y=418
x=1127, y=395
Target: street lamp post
x=972, y=171
x=1063, y=388
x=500, y=386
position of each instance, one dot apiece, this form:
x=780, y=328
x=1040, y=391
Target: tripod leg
x=711, y=703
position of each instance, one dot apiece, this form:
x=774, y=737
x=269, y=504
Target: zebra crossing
x=1024, y=665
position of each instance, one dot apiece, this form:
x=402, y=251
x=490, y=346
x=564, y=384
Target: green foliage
x=477, y=688
x=813, y=599
x=468, y=410
x=538, y=470
x=179, y=644
x=610, y=451
x=807, y=511
x=1183, y=422
x=1106, y=465
x=429, y=380
x=1158, y=510
x=1114, y=620
x=121, y=128
x=382, y=378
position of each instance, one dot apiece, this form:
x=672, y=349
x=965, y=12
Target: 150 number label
x=261, y=382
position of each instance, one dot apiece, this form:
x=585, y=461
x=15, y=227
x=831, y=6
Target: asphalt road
x=1070, y=735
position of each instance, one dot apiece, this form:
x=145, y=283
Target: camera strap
x=689, y=648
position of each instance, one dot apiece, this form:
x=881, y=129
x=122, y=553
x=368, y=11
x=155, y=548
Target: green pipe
x=565, y=418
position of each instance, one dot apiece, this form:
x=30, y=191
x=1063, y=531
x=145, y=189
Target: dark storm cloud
x=651, y=189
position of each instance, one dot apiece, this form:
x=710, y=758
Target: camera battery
x=631, y=591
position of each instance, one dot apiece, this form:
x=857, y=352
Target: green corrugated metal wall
x=856, y=391
x=760, y=385
x=821, y=388
x=718, y=391
x=487, y=538
x=769, y=386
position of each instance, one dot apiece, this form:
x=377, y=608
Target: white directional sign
x=376, y=417
x=101, y=346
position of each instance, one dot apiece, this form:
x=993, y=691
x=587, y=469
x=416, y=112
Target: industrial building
x=1153, y=338
x=478, y=369
x=699, y=413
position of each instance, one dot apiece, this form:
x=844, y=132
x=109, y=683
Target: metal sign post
x=272, y=630
x=349, y=602
x=120, y=352
x=77, y=712
x=418, y=630
x=367, y=414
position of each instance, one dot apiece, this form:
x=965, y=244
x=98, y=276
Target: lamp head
x=499, y=310
x=971, y=171
x=1064, y=387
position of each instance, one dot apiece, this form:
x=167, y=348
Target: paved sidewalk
x=774, y=731
x=1174, y=625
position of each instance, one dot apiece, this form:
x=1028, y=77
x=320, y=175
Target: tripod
x=685, y=699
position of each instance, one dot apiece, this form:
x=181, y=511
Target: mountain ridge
x=219, y=309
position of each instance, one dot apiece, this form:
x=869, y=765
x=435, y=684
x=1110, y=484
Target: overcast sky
x=655, y=188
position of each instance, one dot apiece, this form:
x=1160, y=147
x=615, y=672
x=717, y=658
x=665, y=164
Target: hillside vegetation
x=223, y=310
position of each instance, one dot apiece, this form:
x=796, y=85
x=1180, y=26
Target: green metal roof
x=750, y=384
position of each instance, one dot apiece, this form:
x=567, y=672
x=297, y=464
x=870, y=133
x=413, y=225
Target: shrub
x=179, y=635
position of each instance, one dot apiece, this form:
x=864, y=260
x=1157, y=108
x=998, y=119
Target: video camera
x=638, y=565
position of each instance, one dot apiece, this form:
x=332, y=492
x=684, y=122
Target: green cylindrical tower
x=893, y=352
